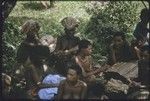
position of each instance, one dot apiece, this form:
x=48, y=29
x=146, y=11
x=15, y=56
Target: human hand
x=136, y=84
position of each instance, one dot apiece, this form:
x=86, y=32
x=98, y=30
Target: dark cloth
x=124, y=54
x=140, y=31
x=36, y=53
x=115, y=75
x=95, y=89
x=144, y=72
x=24, y=49
x=66, y=42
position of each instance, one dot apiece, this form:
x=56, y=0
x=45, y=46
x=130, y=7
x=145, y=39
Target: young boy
x=120, y=51
x=84, y=60
x=72, y=87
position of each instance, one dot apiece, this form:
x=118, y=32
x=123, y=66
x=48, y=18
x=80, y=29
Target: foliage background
x=97, y=23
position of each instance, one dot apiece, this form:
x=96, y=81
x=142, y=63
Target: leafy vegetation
x=112, y=16
x=49, y=20
x=97, y=23
x=11, y=40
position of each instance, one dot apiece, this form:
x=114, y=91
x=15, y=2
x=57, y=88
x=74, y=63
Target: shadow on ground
x=33, y=6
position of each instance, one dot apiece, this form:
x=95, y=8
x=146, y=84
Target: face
x=72, y=31
x=87, y=51
x=34, y=32
x=118, y=41
x=146, y=55
x=35, y=29
x=72, y=75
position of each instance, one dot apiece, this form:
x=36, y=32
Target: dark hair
x=145, y=48
x=119, y=33
x=84, y=44
x=75, y=67
x=144, y=14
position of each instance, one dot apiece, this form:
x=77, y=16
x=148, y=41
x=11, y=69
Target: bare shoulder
x=89, y=57
x=111, y=45
x=62, y=82
x=83, y=84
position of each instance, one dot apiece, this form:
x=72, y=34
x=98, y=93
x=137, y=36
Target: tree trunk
x=7, y=7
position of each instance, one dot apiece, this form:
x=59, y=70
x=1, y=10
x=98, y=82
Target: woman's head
x=30, y=27
x=145, y=15
x=70, y=24
x=85, y=47
x=119, y=39
x=74, y=72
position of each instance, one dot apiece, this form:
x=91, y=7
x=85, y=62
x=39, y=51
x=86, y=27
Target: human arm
x=41, y=85
x=127, y=53
x=136, y=81
x=66, y=47
x=35, y=75
x=58, y=44
x=137, y=50
x=84, y=91
x=111, y=55
x=97, y=71
x=60, y=90
x=59, y=49
x=66, y=52
x=72, y=50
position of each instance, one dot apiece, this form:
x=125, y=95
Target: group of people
x=78, y=77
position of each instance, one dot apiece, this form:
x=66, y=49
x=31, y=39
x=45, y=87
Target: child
x=120, y=50
x=84, y=60
x=72, y=87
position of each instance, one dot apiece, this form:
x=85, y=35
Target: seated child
x=89, y=73
x=72, y=87
x=120, y=51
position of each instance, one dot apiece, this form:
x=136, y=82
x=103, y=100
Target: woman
x=31, y=55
